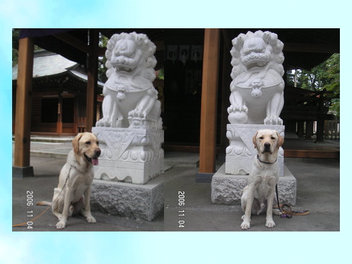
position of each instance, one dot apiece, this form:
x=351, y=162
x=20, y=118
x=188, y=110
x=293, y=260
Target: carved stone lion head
x=258, y=49
x=130, y=52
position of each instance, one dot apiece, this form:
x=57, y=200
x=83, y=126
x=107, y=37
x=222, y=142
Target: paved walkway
x=317, y=190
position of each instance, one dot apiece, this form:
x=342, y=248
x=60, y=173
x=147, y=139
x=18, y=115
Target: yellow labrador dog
x=72, y=195
x=260, y=191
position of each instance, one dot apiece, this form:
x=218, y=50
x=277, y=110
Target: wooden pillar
x=300, y=129
x=59, y=115
x=225, y=87
x=21, y=165
x=75, y=121
x=309, y=129
x=92, y=79
x=320, y=129
x=207, y=147
x=290, y=126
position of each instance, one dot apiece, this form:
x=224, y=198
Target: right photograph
x=269, y=135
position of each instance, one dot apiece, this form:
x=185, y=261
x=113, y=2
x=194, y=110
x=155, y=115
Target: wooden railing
x=329, y=130
x=332, y=129
x=81, y=124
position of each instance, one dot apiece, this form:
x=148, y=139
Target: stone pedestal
x=227, y=189
x=240, y=152
x=132, y=200
x=124, y=181
x=131, y=155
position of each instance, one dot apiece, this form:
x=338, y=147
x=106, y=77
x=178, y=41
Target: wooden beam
x=23, y=104
x=92, y=78
x=207, y=147
x=313, y=153
x=310, y=48
x=73, y=41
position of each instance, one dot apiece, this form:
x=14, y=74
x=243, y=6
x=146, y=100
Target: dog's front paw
x=91, y=219
x=245, y=225
x=270, y=223
x=61, y=224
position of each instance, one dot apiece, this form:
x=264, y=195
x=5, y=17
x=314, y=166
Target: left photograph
x=87, y=104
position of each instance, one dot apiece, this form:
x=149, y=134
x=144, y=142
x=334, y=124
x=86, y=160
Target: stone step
x=51, y=139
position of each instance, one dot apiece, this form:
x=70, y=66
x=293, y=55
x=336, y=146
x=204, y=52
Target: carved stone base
x=240, y=152
x=126, y=199
x=131, y=155
x=227, y=189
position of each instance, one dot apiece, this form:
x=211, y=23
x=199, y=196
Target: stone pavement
x=317, y=190
x=318, y=182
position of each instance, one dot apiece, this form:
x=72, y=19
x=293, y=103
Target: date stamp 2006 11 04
x=181, y=211
x=30, y=205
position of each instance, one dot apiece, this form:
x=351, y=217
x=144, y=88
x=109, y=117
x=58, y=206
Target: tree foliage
x=15, y=38
x=103, y=41
x=324, y=78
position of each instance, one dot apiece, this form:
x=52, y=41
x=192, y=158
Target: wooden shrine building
x=58, y=95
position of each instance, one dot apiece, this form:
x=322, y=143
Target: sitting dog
x=73, y=192
x=260, y=191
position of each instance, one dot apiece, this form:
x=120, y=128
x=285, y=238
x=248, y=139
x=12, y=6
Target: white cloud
x=15, y=250
x=20, y=13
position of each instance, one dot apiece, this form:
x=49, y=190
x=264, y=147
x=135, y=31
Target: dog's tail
x=44, y=203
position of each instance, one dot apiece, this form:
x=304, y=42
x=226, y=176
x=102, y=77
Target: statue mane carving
x=142, y=42
x=274, y=46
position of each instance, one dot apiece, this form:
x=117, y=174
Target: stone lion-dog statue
x=257, y=87
x=130, y=99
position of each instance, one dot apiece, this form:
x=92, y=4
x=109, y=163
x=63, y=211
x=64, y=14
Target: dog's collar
x=265, y=162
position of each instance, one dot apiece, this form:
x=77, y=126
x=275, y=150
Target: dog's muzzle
x=97, y=153
x=94, y=160
x=267, y=147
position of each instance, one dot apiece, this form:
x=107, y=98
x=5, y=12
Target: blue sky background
x=172, y=247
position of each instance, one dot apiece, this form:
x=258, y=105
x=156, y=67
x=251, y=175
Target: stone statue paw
x=230, y=109
x=229, y=149
x=238, y=115
x=273, y=120
x=237, y=108
x=137, y=114
x=103, y=123
x=240, y=108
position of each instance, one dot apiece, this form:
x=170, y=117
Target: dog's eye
x=97, y=142
x=88, y=143
x=261, y=137
x=273, y=138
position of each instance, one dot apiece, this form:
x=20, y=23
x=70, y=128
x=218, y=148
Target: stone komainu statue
x=130, y=99
x=257, y=88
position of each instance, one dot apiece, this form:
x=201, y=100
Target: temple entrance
x=55, y=114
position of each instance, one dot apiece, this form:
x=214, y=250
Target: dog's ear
x=280, y=141
x=255, y=140
x=75, y=144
